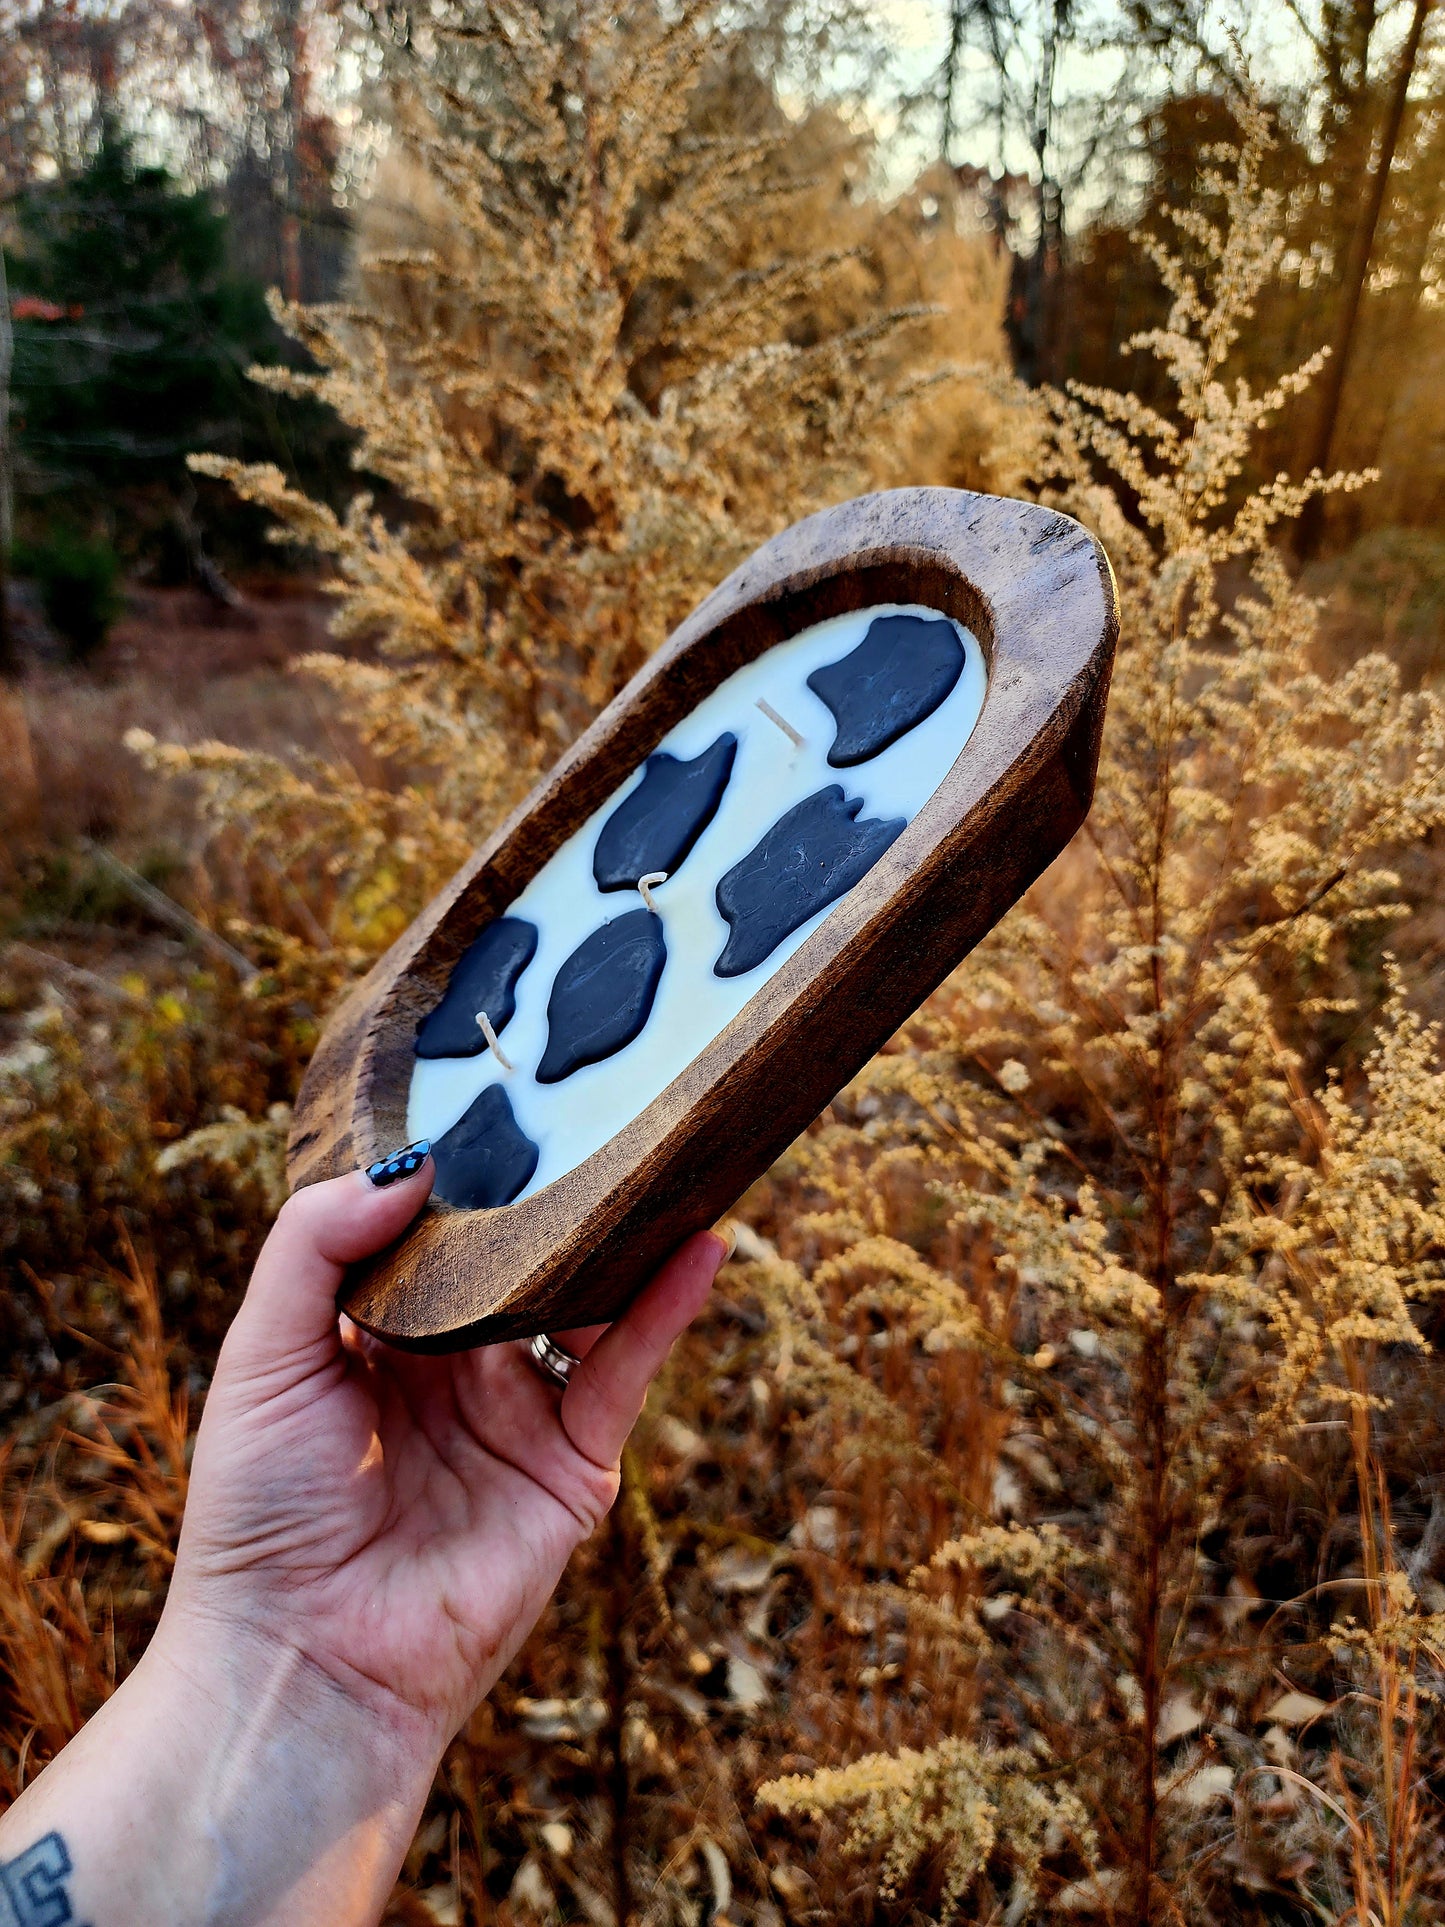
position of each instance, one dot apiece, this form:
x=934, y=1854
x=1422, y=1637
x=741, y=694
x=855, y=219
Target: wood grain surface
x=1038, y=592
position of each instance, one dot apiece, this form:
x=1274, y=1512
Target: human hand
x=400, y=1520
x=368, y=1538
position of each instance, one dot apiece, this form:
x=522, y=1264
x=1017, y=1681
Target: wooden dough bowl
x=1038, y=592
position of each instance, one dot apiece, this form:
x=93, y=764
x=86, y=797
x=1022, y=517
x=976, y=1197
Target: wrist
x=331, y=1775
x=254, y=1687
x=230, y=1781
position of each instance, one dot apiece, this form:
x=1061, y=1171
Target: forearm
x=219, y=1787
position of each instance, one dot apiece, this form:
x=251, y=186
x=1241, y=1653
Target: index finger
x=605, y=1393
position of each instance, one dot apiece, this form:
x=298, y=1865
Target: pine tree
x=132, y=336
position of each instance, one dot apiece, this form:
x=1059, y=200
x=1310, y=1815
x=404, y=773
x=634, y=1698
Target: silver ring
x=552, y=1359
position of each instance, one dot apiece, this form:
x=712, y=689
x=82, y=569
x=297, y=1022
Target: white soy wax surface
x=570, y=1120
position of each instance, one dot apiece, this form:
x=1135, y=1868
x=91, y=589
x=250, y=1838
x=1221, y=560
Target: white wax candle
x=570, y=1120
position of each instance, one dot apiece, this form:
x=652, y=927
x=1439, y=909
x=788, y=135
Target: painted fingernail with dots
x=404, y=1163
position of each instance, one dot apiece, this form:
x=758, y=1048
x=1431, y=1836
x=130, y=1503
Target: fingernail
x=404, y=1163
x=728, y=1232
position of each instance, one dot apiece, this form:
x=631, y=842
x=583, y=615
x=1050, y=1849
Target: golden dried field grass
x=1047, y=1518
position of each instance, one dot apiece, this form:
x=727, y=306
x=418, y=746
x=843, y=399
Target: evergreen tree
x=132, y=338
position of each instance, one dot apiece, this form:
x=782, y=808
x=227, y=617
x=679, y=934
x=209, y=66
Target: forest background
x=1048, y=1518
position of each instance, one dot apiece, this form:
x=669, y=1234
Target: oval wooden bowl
x=1038, y=592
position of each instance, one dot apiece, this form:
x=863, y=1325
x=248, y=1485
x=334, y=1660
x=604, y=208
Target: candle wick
x=491, y=1036
x=645, y=884
x=782, y=722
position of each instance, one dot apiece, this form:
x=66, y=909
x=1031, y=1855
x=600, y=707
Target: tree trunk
x=948, y=83
x=292, y=33
x=1037, y=359
x=9, y=652
x=1357, y=268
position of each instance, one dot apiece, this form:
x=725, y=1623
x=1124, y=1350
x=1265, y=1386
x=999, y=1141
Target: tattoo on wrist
x=34, y=1886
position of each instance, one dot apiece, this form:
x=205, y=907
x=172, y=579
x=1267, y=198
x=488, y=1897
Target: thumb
x=290, y=1304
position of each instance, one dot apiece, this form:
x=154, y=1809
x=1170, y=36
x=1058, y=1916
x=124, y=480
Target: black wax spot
x=900, y=672
x=809, y=858
x=484, y=978
x=603, y=994
x=655, y=827
x=485, y=1158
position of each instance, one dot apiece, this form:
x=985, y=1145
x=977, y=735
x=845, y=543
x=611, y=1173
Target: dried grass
x=1047, y=1511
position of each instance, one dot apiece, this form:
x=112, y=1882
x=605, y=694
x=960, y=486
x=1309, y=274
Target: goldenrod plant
x=1047, y=1520
x=589, y=369
x=1194, y=1251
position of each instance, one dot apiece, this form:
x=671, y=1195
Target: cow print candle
x=753, y=818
